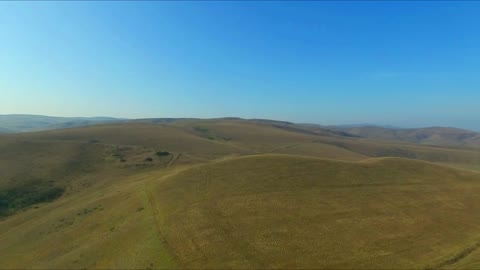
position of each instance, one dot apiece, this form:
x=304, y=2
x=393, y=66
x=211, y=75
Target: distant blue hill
x=14, y=123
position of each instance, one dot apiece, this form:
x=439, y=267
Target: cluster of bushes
x=205, y=132
x=201, y=129
x=162, y=153
x=210, y=135
x=14, y=199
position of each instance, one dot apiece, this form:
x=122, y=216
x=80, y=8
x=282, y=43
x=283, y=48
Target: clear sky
x=401, y=63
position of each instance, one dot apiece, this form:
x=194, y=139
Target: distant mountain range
x=366, y=125
x=444, y=136
x=14, y=123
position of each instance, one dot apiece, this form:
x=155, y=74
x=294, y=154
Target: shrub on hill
x=162, y=153
x=17, y=198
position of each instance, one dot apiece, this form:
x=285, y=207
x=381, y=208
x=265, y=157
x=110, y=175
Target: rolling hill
x=5, y=130
x=433, y=135
x=24, y=122
x=233, y=193
x=276, y=211
x=442, y=136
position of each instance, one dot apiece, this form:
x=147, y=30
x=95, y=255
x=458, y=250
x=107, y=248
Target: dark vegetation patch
x=165, y=120
x=297, y=130
x=70, y=220
x=87, y=211
x=162, y=153
x=323, y=132
x=133, y=156
x=201, y=129
x=62, y=223
x=344, y=134
x=208, y=134
x=20, y=197
x=421, y=137
x=125, y=156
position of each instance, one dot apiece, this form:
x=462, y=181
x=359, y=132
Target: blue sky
x=406, y=64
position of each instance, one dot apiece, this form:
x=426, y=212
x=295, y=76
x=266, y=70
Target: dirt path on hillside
x=174, y=158
x=156, y=216
x=457, y=257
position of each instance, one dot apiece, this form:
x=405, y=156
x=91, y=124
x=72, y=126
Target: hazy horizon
x=364, y=124
x=405, y=64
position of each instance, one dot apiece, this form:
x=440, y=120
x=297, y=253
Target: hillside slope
x=231, y=193
x=274, y=211
x=62, y=155
x=258, y=211
x=432, y=136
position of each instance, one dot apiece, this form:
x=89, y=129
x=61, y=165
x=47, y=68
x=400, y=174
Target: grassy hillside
x=210, y=139
x=433, y=135
x=293, y=212
x=456, y=156
x=259, y=211
x=109, y=225
x=233, y=193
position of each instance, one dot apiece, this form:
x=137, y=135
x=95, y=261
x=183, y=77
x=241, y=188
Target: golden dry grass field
x=232, y=193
